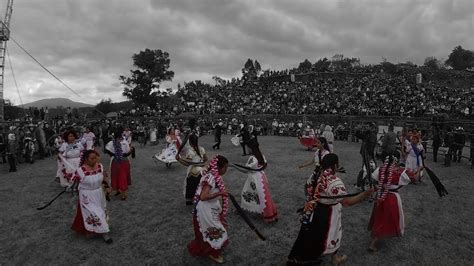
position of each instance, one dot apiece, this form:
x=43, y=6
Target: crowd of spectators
x=380, y=95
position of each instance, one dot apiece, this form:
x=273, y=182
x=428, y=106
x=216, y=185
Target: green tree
x=305, y=65
x=12, y=112
x=105, y=106
x=143, y=86
x=322, y=65
x=460, y=59
x=250, y=70
x=258, y=67
x=432, y=62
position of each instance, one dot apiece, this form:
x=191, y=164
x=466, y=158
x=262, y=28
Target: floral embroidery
x=249, y=197
x=214, y=233
x=334, y=243
x=253, y=186
x=93, y=220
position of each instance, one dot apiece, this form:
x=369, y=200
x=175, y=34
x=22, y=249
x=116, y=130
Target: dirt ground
x=154, y=226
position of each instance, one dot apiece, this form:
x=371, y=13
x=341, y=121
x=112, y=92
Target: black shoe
x=107, y=239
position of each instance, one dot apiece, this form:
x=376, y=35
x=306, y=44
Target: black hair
x=67, y=133
x=221, y=161
x=330, y=161
x=324, y=142
x=86, y=154
x=193, y=142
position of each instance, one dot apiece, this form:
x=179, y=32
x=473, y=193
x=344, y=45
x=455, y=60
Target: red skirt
x=387, y=218
x=199, y=247
x=308, y=142
x=78, y=224
x=270, y=213
x=120, y=175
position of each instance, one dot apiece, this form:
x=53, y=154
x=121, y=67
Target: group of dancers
x=204, y=188
x=80, y=170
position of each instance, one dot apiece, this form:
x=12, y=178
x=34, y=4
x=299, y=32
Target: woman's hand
x=369, y=192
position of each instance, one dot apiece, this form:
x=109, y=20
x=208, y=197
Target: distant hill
x=55, y=102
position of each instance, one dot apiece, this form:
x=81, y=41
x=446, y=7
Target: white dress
x=208, y=215
x=72, y=155
x=88, y=139
x=253, y=193
x=168, y=154
x=412, y=163
x=153, y=135
x=92, y=200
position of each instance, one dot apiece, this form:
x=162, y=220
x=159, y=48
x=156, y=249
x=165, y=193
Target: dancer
x=308, y=138
x=71, y=151
x=321, y=229
x=88, y=138
x=127, y=135
x=194, y=159
x=414, y=159
x=387, y=219
x=168, y=154
x=91, y=213
x=119, y=150
x=255, y=195
x=209, y=214
x=322, y=150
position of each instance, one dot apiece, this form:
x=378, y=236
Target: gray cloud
x=90, y=43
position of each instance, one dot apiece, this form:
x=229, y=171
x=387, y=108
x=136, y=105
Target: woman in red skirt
x=91, y=215
x=210, y=228
x=387, y=219
x=119, y=149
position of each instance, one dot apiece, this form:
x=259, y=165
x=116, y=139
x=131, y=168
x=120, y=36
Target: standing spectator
x=389, y=143
x=217, y=135
x=41, y=137
x=437, y=141
x=472, y=148
x=11, y=150
x=459, y=142
x=449, y=143
x=368, y=135
x=253, y=134
x=327, y=133
x=245, y=135
x=46, y=113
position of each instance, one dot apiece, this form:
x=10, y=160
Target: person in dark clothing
x=217, y=136
x=253, y=134
x=245, y=135
x=472, y=149
x=368, y=135
x=389, y=143
x=11, y=150
x=449, y=143
x=459, y=142
x=437, y=141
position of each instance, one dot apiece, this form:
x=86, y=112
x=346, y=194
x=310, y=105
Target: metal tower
x=4, y=37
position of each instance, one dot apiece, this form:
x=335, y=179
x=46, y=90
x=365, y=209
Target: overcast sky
x=89, y=43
